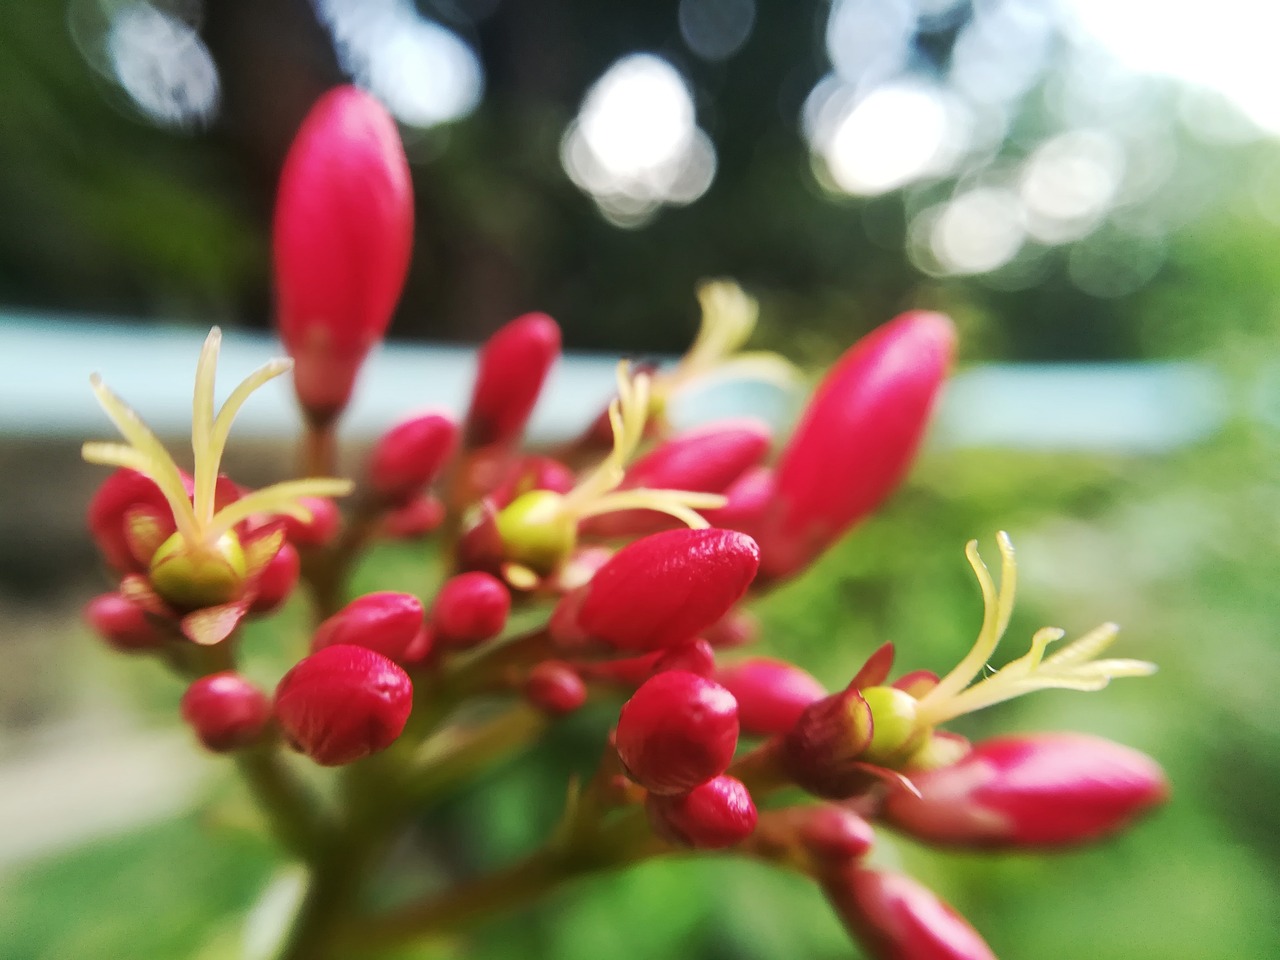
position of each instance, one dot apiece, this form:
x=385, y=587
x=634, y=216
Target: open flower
x=206, y=561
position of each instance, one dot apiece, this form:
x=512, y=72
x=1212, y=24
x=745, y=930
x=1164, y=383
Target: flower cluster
x=630, y=556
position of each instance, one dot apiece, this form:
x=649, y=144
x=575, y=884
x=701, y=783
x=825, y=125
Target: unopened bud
x=1044, y=790
x=696, y=657
x=122, y=623
x=343, y=703
x=771, y=694
x=511, y=369
x=823, y=751
x=409, y=456
x=661, y=590
x=323, y=527
x=470, y=609
x=342, y=236
x=895, y=918
x=386, y=622
x=276, y=581
x=226, y=711
x=555, y=687
x=711, y=816
x=417, y=518
x=857, y=437
x=678, y=730
x=835, y=835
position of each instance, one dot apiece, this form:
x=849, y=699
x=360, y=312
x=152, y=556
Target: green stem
x=291, y=811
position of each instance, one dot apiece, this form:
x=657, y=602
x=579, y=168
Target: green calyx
x=536, y=531
x=202, y=576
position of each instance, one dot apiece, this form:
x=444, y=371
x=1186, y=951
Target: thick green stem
x=291, y=811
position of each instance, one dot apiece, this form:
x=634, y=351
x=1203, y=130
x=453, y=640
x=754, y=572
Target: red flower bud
x=555, y=687
x=470, y=609
x=895, y=918
x=409, y=456
x=679, y=730
x=120, y=493
x=343, y=703
x=771, y=694
x=736, y=628
x=386, y=622
x=823, y=751
x=696, y=657
x=857, y=437
x=226, y=711
x=750, y=498
x=706, y=460
x=417, y=518
x=342, y=236
x=320, y=530
x=122, y=623
x=511, y=369
x=711, y=816
x=276, y=581
x=835, y=835
x=660, y=591
x=1044, y=790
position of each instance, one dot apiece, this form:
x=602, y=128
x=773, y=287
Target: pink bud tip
x=835, y=835
x=511, y=369
x=679, y=730
x=276, y=581
x=771, y=694
x=895, y=918
x=857, y=437
x=1044, y=790
x=661, y=590
x=226, y=711
x=470, y=609
x=323, y=527
x=409, y=456
x=343, y=703
x=342, y=236
x=555, y=687
x=386, y=622
x=711, y=816
x=121, y=623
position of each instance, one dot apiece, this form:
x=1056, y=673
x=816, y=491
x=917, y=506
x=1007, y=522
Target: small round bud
x=194, y=577
x=226, y=711
x=415, y=519
x=536, y=532
x=771, y=694
x=122, y=623
x=470, y=609
x=276, y=581
x=679, y=730
x=321, y=530
x=386, y=622
x=343, y=703
x=555, y=687
x=893, y=718
x=408, y=457
x=711, y=816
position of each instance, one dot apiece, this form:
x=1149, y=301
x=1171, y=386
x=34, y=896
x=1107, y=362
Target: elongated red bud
x=857, y=437
x=834, y=835
x=341, y=241
x=226, y=711
x=323, y=527
x=276, y=581
x=679, y=730
x=386, y=622
x=1043, y=790
x=771, y=694
x=705, y=460
x=409, y=456
x=122, y=623
x=419, y=517
x=750, y=498
x=470, y=609
x=555, y=687
x=661, y=590
x=123, y=493
x=512, y=366
x=343, y=703
x=895, y=918
x=711, y=816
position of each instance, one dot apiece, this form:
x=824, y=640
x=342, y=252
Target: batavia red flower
x=771, y=694
x=895, y=918
x=343, y=703
x=122, y=623
x=834, y=835
x=679, y=730
x=470, y=609
x=321, y=529
x=386, y=622
x=226, y=711
x=711, y=816
x=512, y=367
x=341, y=241
x=1043, y=790
x=857, y=437
x=660, y=591
x=409, y=456
x=555, y=687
